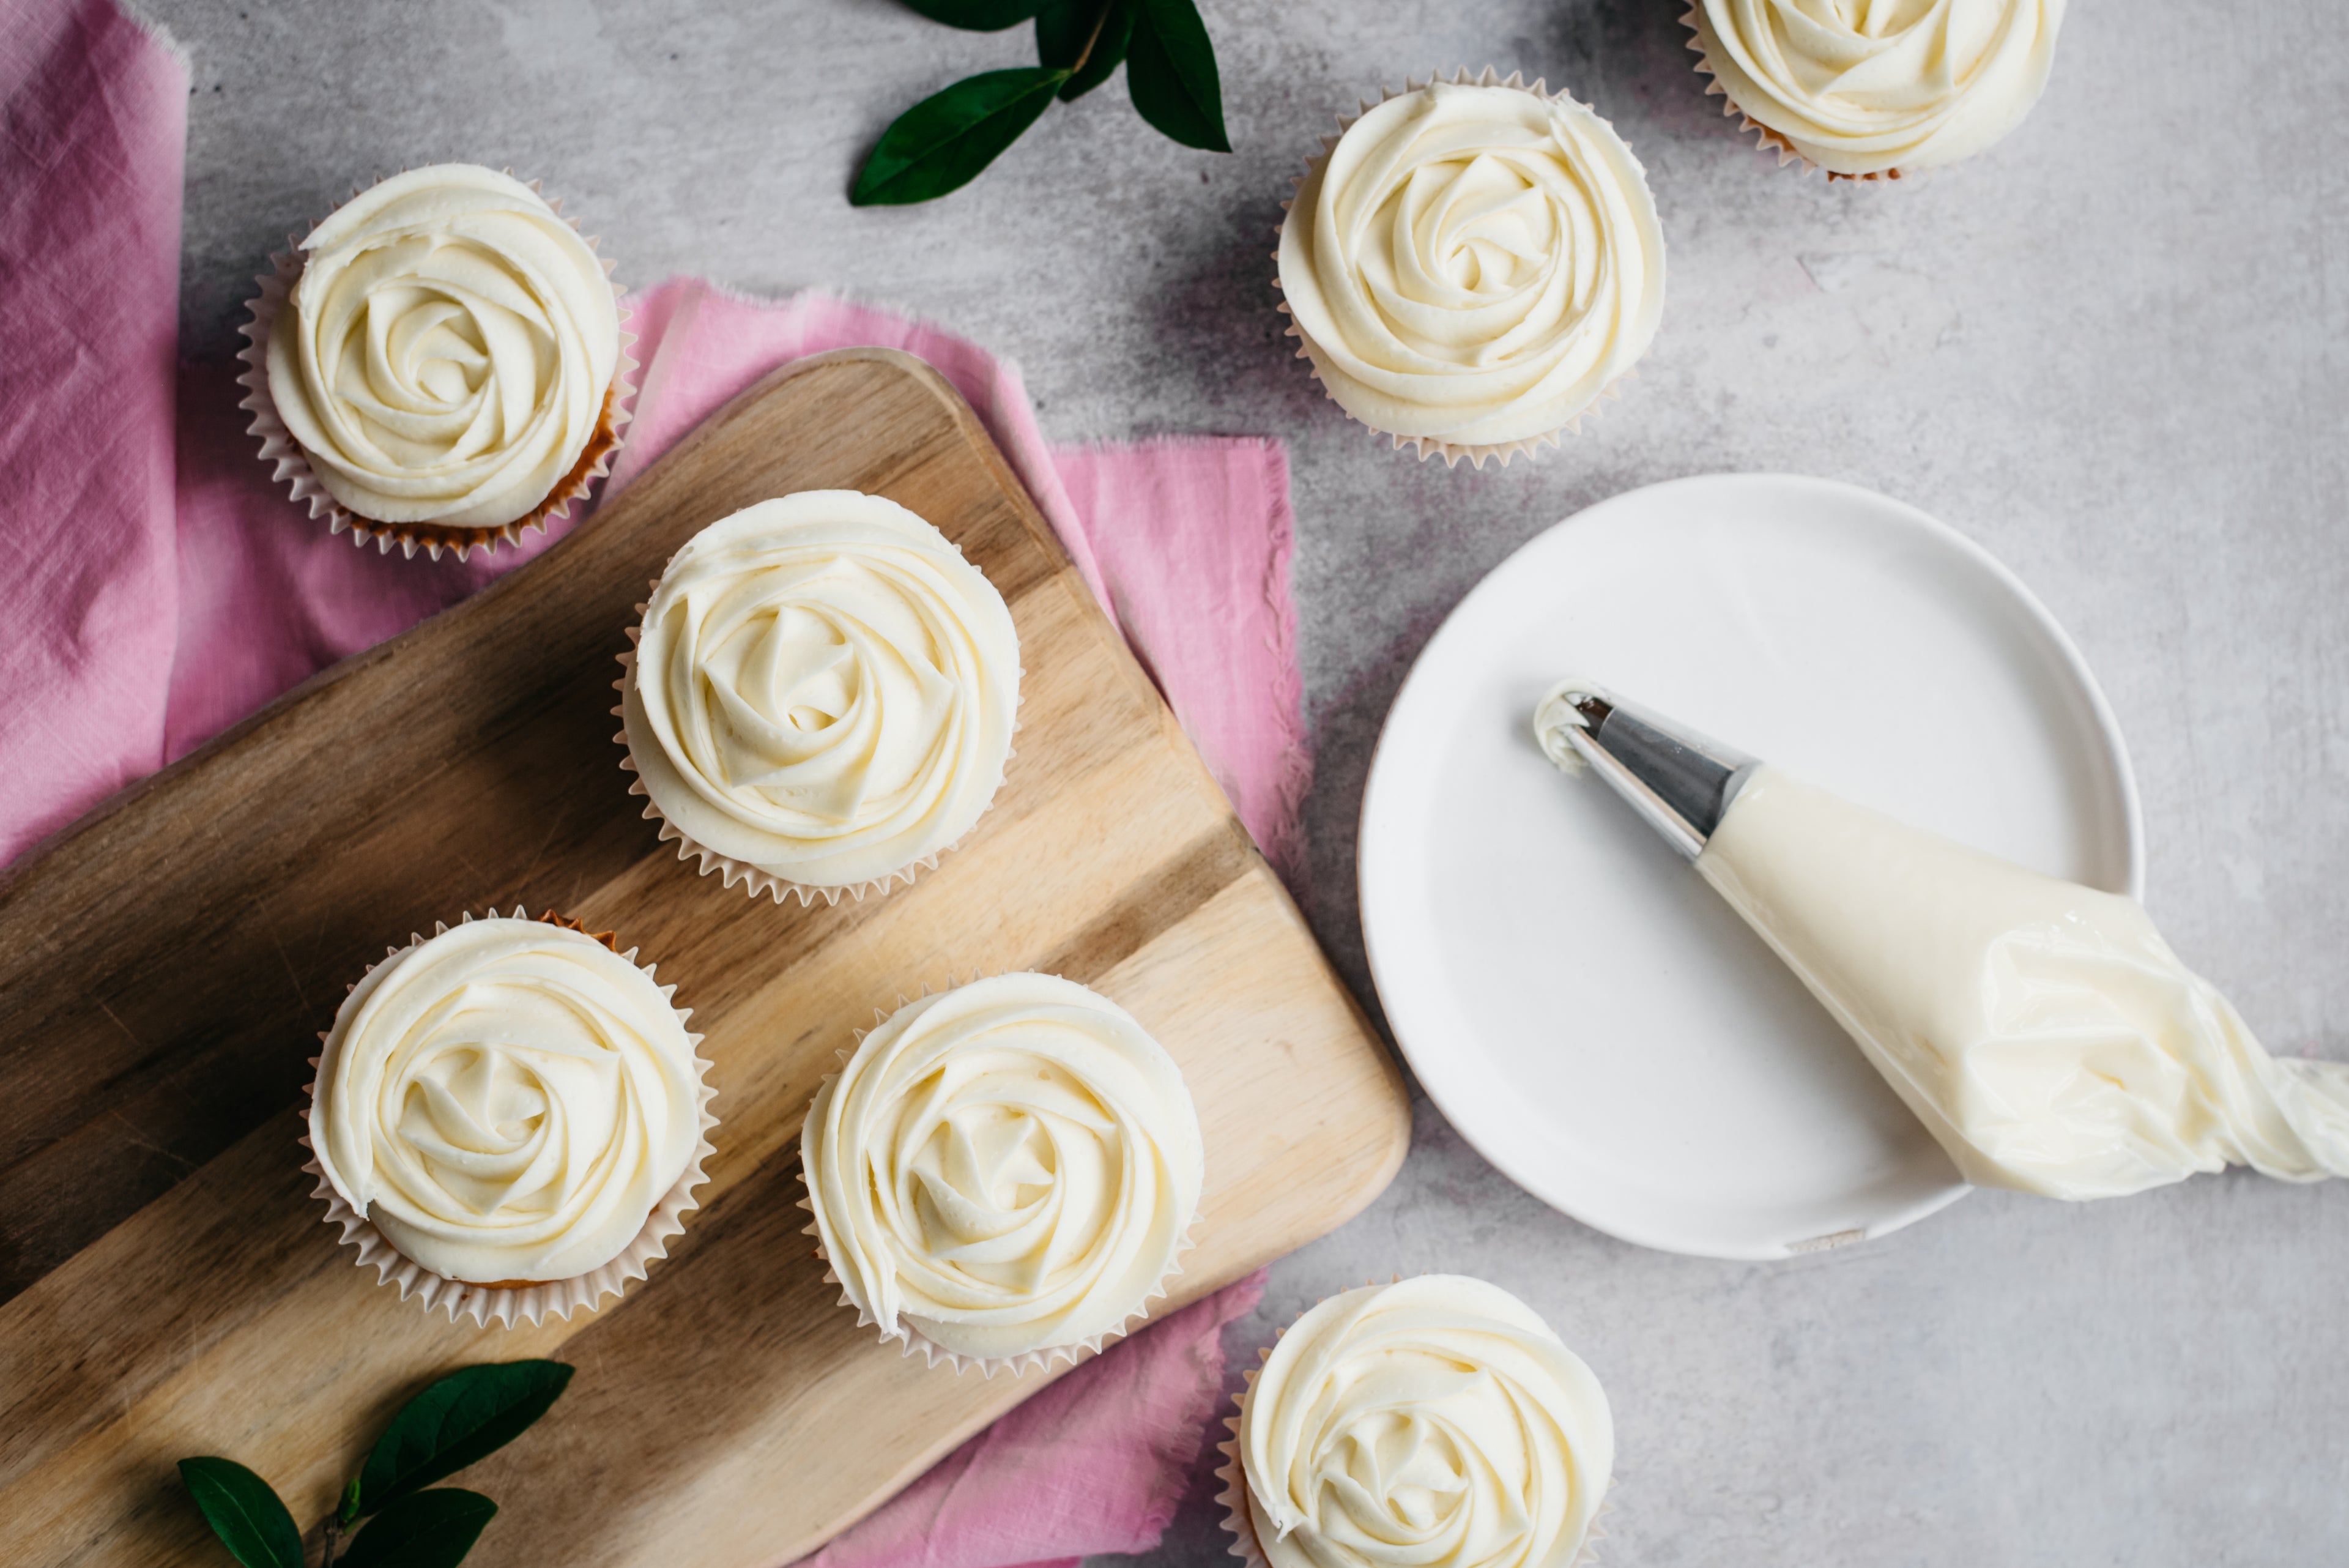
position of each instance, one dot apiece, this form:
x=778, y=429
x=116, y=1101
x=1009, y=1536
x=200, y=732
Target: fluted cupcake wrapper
x=291, y=464
x=1239, y=1506
x=1452, y=452
x=757, y=880
x=1042, y=1359
x=1771, y=141
x=534, y=1303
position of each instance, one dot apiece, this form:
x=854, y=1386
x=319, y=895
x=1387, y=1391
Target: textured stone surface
x=2111, y=349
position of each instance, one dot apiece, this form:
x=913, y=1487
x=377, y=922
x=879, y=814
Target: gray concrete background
x=2111, y=349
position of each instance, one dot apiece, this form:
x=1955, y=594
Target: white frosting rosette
x=508, y=1117
x=1472, y=265
x=439, y=363
x=1003, y=1173
x=821, y=695
x=1876, y=90
x=1432, y=1423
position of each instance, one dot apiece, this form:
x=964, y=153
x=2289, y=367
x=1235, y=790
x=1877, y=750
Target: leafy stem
x=463, y=1417
x=1101, y=20
x=945, y=141
x=346, y=1514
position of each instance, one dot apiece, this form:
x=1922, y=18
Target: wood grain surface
x=167, y=1284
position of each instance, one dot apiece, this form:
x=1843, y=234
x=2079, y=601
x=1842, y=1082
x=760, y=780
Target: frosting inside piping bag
x=2041, y=1031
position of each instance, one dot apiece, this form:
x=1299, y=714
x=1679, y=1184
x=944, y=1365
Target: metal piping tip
x=1682, y=783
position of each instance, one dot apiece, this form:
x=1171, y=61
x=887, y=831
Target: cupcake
x=508, y=1117
x=1472, y=265
x=1003, y=1173
x=821, y=695
x=1432, y=1423
x=1877, y=92
x=442, y=366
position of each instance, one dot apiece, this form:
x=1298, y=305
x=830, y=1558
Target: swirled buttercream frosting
x=1432, y=1423
x=1005, y=1168
x=1474, y=265
x=1871, y=87
x=823, y=690
x=446, y=352
x=506, y=1101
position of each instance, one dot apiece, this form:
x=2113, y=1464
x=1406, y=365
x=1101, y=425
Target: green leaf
x=978, y=15
x=244, y=1512
x=1170, y=69
x=423, y=1530
x=942, y=142
x=459, y=1419
x=1063, y=29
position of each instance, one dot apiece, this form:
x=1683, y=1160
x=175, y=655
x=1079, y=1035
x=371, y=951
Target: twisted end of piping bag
x=1682, y=782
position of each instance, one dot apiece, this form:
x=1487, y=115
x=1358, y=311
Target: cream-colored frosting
x=1008, y=1166
x=508, y=1100
x=2043, y=1031
x=445, y=356
x=824, y=688
x=1865, y=87
x=1474, y=265
x=1432, y=1423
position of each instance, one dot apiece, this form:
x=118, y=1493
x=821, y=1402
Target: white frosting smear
x=1474, y=265
x=1008, y=1166
x=825, y=688
x=1433, y=1423
x=1864, y=87
x=2043, y=1031
x=509, y=1100
x=445, y=356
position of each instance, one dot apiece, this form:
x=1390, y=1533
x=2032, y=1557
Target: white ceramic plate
x=1586, y=1011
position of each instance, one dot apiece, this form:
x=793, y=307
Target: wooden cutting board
x=167, y=1283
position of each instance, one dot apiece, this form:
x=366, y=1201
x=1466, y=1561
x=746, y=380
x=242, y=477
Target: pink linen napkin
x=1187, y=543
x=161, y=588
x=1058, y=1477
x=93, y=128
x=1222, y=645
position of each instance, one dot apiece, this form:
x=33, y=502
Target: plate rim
x=1369, y=860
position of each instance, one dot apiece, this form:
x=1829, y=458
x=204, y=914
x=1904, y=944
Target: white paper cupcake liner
x=1772, y=140
x=1239, y=1518
x=932, y=1353
x=530, y=1303
x=1453, y=453
x=292, y=464
x=757, y=880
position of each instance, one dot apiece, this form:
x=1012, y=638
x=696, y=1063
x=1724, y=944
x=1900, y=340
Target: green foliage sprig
x=463, y=1417
x=943, y=142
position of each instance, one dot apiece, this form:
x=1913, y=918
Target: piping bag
x=2041, y=1031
